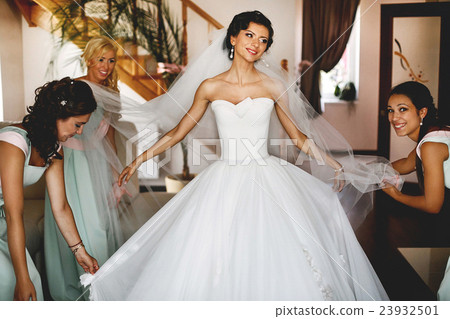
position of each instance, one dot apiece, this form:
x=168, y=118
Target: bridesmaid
x=29, y=150
x=94, y=204
x=412, y=113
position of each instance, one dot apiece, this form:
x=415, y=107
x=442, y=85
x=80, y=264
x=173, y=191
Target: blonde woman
x=89, y=181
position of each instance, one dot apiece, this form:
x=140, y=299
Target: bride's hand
x=128, y=172
x=339, y=183
x=116, y=194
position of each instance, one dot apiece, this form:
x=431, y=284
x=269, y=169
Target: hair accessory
x=71, y=82
x=232, y=52
x=63, y=102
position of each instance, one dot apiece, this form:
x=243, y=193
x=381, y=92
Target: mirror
x=415, y=57
x=414, y=45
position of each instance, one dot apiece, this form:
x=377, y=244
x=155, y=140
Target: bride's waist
x=232, y=157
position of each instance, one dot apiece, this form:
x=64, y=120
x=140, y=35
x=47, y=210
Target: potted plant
x=145, y=23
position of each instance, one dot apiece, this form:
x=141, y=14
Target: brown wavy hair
x=55, y=100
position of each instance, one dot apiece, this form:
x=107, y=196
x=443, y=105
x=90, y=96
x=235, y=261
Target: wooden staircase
x=130, y=66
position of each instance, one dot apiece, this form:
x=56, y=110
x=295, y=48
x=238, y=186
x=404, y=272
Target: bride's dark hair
x=241, y=22
x=55, y=100
x=421, y=97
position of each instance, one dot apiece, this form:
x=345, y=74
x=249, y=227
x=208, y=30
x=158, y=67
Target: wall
x=282, y=15
x=11, y=62
x=37, y=52
x=362, y=116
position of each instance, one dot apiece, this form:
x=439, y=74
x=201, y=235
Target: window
x=347, y=69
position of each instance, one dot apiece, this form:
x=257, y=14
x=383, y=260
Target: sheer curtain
x=324, y=23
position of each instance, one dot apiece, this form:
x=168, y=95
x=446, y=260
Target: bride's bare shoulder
x=209, y=87
x=214, y=82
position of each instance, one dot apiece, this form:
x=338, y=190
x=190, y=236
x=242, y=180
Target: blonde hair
x=97, y=46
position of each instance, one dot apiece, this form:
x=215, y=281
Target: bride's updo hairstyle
x=55, y=100
x=241, y=22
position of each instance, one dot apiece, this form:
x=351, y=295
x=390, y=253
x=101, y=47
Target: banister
x=202, y=13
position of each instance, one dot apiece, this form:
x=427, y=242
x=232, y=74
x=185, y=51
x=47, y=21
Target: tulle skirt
x=243, y=232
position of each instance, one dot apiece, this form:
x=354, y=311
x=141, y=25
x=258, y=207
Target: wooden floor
x=389, y=226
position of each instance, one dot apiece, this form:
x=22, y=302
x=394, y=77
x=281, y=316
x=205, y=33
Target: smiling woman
x=100, y=59
x=412, y=113
x=250, y=226
x=89, y=180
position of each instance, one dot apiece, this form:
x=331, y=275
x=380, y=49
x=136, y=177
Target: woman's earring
x=421, y=121
x=232, y=52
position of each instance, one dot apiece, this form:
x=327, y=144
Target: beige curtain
x=324, y=21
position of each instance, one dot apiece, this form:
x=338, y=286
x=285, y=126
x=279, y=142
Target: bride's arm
x=304, y=143
x=174, y=136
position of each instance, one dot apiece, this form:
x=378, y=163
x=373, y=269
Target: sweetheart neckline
x=253, y=99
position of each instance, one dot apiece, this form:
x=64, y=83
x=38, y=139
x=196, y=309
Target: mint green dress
x=32, y=174
x=90, y=204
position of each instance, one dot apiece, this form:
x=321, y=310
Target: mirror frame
x=388, y=13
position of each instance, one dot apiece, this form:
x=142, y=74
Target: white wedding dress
x=249, y=227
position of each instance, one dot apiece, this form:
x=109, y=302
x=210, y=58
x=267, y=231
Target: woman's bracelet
x=76, y=248
x=76, y=244
x=339, y=170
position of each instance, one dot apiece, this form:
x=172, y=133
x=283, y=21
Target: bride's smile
x=251, y=43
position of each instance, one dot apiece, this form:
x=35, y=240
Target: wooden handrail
x=25, y=8
x=202, y=13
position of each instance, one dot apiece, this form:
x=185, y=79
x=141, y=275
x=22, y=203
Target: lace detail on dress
x=326, y=290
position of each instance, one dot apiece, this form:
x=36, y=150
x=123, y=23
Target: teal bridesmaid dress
x=31, y=175
x=95, y=217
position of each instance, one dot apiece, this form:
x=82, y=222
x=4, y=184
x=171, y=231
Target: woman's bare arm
x=305, y=144
x=406, y=165
x=433, y=157
x=174, y=136
x=62, y=212
x=11, y=173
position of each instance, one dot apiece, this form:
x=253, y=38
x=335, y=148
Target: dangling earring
x=265, y=63
x=232, y=52
x=421, y=121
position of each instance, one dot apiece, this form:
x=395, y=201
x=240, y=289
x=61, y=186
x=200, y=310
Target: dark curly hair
x=55, y=100
x=421, y=97
x=241, y=22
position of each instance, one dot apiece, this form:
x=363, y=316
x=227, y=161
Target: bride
x=251, y=226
